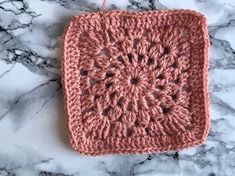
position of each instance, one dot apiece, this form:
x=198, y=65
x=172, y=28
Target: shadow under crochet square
x=136, y=82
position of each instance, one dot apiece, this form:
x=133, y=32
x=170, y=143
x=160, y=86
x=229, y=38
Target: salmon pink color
x=136, y=82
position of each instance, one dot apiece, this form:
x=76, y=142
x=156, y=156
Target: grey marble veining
x=33, y=139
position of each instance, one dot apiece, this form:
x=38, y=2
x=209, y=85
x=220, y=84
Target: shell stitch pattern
x=136, y=82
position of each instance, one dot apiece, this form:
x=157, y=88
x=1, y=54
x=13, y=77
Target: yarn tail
x=103, y=5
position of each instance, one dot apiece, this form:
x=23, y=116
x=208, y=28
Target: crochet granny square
x=136, y=82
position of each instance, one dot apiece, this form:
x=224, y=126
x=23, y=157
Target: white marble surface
x=33, y=139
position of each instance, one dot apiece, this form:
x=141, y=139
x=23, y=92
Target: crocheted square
x=136, y=82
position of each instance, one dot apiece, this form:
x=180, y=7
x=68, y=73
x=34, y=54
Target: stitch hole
x=85, y=34
x=150, y=61
x=145, y=33
x=110, y=35
x=87, y=110
x=147, y=131
x=105, y=52
x=152, y=44
x=136, y=42
x=148, y=101
x=112, y=95
x=174, y=65
x=165, y=110
x=166, y=50
x=130, y=58
x=174, y=97
x=109, y=74
x=83, y=72
x=85, y=92
x=106, y=111
x=118, y=43
x=151, y=119
x=134, y=81
x=185, y=89
x=156, y=95
x=96, y=65
x=88, y=134
x=119, y=119
x=113, y=65
x=129, y=106
x=120, y=102
x=177, y=81
x=120, y=59
x=184, y=70
x=129, y=132
x=93, y=81
x=157, y=67
x=160, y=76
x=140, y=58
x=126, y=32
x=139, y=104
x=96, y=97
x=108, y=85
x=136, y=123
x=160, y=87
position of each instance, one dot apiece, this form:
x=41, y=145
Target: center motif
x=135, y=82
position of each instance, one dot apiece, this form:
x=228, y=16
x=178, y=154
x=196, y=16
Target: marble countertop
x=33, y=138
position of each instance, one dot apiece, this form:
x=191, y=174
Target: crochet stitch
x=136, y=82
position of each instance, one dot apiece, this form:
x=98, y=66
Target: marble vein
x=32, y=121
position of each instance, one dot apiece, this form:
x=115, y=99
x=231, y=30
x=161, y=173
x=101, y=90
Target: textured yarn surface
x=136, y=82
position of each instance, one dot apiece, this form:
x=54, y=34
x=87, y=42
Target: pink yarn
x=136, y=82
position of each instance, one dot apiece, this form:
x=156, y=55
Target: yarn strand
x=103, y=5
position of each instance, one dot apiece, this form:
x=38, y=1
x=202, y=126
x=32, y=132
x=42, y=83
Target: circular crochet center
x=135, y=83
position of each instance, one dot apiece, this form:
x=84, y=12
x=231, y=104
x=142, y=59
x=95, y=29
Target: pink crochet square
x=136, y=82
